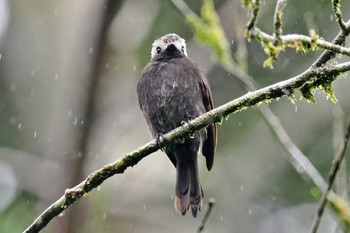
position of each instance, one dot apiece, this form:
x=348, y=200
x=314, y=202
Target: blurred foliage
x=207, y=30
x=23, y=209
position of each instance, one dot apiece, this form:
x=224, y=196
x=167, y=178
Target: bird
x=173, y=90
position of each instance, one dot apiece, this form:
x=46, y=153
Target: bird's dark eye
x=183, y=49
x=158, y=49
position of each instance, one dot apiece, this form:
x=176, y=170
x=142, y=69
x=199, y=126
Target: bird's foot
x=160, y=138
x=184, y=122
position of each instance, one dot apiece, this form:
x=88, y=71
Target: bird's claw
x=158, y=140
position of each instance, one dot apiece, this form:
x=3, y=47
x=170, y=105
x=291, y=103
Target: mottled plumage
x=173, y=90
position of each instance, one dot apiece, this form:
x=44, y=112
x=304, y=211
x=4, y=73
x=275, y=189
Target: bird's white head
x=162, y=44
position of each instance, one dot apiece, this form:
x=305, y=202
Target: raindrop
x=0, y=56
x=134, y=68
x=300, y=168
x=75, y=121
x=56, y=77
x=296, y=108
x=81, y=122
x=91, y=50
x=19, y=125
x=104, y=216
x=98, y=188
x=221, y=218
x=221, y=121
x=239, y=123
x=241, y=187
x=250, y=211
x=35, y=133
x=144, y=207
x=56, y=11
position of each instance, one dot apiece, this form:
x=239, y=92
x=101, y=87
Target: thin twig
x=331, y=177
x=252, y=22
x=338, y=14
x=340, y=183
x=278, y=19
x=211, y=203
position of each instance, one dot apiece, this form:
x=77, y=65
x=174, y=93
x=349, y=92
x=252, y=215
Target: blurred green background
x=66, y=110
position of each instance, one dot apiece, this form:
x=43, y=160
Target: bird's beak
x=171, y=48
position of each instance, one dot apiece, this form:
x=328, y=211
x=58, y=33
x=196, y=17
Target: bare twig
x=216, y=115
x=341, y=184
x=331, y=177
x=211, y=203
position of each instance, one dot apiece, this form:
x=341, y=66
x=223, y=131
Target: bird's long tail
x=188, y=191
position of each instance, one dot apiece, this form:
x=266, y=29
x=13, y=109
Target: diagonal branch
x=332, y=174
x=216, y=115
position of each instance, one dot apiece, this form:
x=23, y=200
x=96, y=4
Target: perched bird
x=172, y=91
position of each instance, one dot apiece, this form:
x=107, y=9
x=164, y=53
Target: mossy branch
x=338, y=15
x=216, y=115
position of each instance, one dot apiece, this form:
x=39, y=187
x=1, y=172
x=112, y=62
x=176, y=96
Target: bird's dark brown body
x=172, y=90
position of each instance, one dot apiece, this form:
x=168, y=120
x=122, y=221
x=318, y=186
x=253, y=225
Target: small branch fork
x=300, y=42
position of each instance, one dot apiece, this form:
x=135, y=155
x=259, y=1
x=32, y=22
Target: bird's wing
x=209, y=143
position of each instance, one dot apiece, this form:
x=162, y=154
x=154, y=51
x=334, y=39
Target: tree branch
x=338, y=15
x=331, y=178
x=211, y=203
x=277, y=20
x=216, y=115
x=301, y=42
